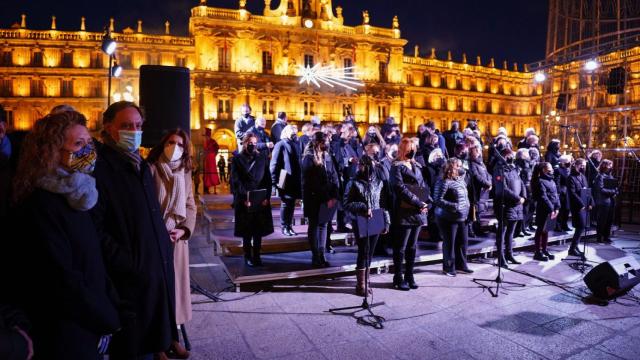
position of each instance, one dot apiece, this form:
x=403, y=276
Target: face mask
x=251, y=148
x=372, y=133
x=509, y=160
x=83, y=160
x=461, y=172
x=173, y=152
x=463, y=156
x=411, y=154
x=130, y=140
x=294, y=137
x=324, y=147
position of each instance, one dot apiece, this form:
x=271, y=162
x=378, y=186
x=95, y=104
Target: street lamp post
x=109, y=48
x=591, y=66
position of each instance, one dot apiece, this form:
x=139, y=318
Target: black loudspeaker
x=613, y=278
x=616, y=80
x=165, y=99
x=563, y=101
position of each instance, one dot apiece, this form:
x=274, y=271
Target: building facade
x=237, y=57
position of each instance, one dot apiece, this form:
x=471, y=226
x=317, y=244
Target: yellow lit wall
x=51, y=57
x=21, y=56
x=81, y=58
x=21, y=86
x=52, y=87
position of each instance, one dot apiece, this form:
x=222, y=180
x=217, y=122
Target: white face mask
x=130, y=140
x=173, y=152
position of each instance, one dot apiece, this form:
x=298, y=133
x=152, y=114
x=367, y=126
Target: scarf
x=172, y=192
x=132, y=157
x=78, y=188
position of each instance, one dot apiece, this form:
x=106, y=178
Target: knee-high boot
x=410, y=260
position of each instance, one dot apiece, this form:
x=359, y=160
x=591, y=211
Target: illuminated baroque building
x=237, y=57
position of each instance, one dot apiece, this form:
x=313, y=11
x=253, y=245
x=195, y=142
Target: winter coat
x=60, y=257
x=603, y=196
x=514, y=189
x=526, y=171
x=276, y=130
x=138, y=253
x=249, y=173
x=263, y=139
x=576, y=183
x=13, y=346
x=545, y=193
x=451, y=200
x=592, y=170
x=358, y=198
x=401, y=176
x=319, y=183
x=452, y=138
x=286, y=155
x=561, y=175
x=242, y=126
x=479, y=179
x=552, y=157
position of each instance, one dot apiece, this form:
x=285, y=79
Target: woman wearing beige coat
x=170, y=163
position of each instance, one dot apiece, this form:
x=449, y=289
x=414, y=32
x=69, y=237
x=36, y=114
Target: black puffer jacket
x=319, y=182
x=451, y=200
x=401, y=176
x=545, y=193
x=358, y=199
x=513, y=190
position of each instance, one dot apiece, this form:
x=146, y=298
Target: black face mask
x=463, y=156
x=324, y=147
x=251, y=148
x=461, y=172
x=509, y=160
x=411, y=154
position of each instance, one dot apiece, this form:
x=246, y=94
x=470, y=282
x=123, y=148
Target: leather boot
x=360, y=282
x=177, y=351
x=540, y=256
x=508, y=253
x=410, y=260
x=248, y=256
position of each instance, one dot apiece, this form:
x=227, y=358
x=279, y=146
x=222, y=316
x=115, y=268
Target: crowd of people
x=441, y=181
x=100, y=257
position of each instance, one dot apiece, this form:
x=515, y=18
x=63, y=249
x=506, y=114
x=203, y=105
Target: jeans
x=454, y=244
x=287, y=207
x=364, y=259
x=317, y=234
x=404, y=247
x=504, y=239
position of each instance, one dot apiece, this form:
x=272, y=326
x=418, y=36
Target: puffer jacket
x=400, y=177
x=513, y=190
x=545, y=193
x=479, y=179
x=451, y=200
x=358, y=199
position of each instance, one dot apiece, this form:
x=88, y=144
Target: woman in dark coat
x=580, y=201
x=545, y=193
x=452, y=209
x=54, y=191
x=525, y=170
x=409, y=212
x=250, y=172
x=552, y=156
x=286, y=156
x=364, y=194
x=319, y=187
x=508, y=204
x=605, y=200
x=561, y=176
x=534, y=159
x=479, y=182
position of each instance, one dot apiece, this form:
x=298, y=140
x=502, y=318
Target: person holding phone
x=545, y=193
x=319, y=192
x=250, y=172
x=410, y=212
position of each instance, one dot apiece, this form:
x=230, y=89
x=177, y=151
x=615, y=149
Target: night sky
x=512, y=30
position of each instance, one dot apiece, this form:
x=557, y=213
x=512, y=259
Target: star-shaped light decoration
x=329, y=75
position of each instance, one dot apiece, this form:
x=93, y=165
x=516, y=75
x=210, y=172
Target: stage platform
x=295, y=265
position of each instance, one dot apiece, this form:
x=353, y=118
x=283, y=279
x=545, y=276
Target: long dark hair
x=156, y=152
x=535, y=179
x=40, y=153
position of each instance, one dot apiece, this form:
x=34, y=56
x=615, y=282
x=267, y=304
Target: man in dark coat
x=244, y=123
x=264, y=142
x=452, y=137
x=581, y=203
x=136, y=246
x=277, y=127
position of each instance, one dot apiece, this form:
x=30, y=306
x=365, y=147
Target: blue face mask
x=130, y=140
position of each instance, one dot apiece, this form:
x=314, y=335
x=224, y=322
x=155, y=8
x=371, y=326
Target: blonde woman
x=170, y=165
x=409, y=212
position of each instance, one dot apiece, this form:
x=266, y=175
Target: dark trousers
x=251, y=250
x=578, y=220
x=341, y=219
x=530, y=207
x=454, y=244
x=287, y=208
x=563, y=218
x=541, y=238
x=364, y=244
x=404, y=247
x=504, y=238
x=317, y=234
x=605, y=221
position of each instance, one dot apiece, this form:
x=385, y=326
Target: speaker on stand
x=165, y=98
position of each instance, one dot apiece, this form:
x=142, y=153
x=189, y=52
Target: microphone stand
x=371, y=319
x=499, y=278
